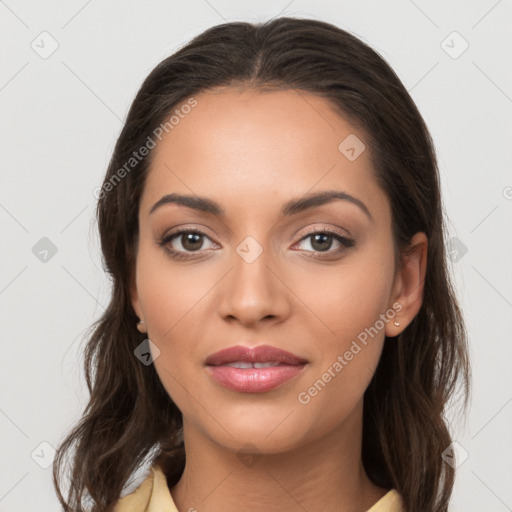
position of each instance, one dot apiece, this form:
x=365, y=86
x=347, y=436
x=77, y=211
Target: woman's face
x=255, y=275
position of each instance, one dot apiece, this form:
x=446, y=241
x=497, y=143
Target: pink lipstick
x=253, y=370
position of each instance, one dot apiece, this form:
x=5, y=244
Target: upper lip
x=259, y=354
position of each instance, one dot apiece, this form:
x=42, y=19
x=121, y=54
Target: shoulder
x=139, y=498
x=390, y=502
x=151, y=494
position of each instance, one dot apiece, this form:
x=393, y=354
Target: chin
x=267, y=433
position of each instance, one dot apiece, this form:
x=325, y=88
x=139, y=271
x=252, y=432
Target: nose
x=254, y=291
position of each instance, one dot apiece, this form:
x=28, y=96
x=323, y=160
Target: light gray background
x=61, y=116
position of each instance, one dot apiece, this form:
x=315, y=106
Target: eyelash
x=346, y=243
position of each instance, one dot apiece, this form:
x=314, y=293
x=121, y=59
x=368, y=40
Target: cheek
x=350, y=351
x=349, y=300
x=346, y=298
x=172, y=296
x=336, y=392
x=175, y=304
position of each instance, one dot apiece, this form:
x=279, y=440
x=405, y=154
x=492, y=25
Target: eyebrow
x=292, y=207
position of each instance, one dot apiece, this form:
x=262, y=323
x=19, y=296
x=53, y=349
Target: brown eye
x=183, y=243
x=191, y=241
x=321, y=241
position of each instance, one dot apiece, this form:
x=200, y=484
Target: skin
x=252, y=151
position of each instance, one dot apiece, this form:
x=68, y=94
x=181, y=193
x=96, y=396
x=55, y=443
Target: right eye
x=184, y=242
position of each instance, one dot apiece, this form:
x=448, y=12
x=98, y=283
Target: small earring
x=140, y=325
x=396, y=323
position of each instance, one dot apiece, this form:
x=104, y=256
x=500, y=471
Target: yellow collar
x=153, y=495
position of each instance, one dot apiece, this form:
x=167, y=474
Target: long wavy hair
x=130, y=415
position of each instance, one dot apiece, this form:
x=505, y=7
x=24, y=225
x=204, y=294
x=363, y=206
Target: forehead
x=261, y=145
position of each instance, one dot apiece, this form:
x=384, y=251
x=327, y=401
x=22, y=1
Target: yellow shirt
x=153, y=495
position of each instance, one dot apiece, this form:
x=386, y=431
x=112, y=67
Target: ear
x=134, y=296
x=408, y=284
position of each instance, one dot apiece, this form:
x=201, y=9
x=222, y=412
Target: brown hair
x=404, y=429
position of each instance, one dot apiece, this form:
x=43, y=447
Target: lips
x=253, y=370
x=259, y=354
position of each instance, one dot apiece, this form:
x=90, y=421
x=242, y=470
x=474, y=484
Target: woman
x=277, y=338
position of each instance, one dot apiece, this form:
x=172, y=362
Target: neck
x=325, y=474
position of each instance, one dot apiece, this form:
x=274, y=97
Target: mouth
x=246, y=364
x=254, y=370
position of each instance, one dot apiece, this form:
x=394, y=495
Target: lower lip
x=254, y=380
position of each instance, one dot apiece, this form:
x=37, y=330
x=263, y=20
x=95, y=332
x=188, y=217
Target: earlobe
x=409, y=284
x=141, y=326
x=134, y=296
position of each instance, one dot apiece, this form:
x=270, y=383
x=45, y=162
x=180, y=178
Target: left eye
x=322, y=241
